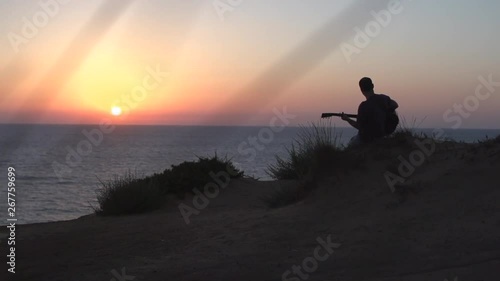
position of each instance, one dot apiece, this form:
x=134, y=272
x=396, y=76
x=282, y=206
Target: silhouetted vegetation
x=314, y=153
x=493, y=140
x=314, y=148
x=183, y=178
x=489, y=142
x=130, y=194
x=404, y=136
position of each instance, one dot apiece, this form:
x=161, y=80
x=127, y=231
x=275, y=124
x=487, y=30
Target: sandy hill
x=442, y=222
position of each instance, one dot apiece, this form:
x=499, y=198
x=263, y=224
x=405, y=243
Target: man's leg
x=355, y=141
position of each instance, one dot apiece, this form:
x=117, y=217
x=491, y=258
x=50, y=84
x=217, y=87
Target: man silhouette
x=372, y=114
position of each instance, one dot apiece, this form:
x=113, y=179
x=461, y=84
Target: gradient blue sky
x=264, y=54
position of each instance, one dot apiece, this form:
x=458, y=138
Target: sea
x=58, y=168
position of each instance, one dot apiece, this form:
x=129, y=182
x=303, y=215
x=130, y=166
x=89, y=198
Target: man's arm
x=350, y=121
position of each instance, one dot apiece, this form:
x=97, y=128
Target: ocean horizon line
x=221, y=125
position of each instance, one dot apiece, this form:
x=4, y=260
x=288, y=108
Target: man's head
x=366, y=86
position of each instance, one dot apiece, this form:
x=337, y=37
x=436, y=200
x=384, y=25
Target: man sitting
x=374, y=119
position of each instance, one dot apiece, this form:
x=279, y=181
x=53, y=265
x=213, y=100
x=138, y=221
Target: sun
x=116, y=111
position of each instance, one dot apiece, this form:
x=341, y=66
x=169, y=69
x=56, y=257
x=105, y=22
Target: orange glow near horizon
x=100, y=80
x=93, y=61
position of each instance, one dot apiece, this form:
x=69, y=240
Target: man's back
x=372, y=115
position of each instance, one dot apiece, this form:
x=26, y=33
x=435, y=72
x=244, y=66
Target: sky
x=237, y=62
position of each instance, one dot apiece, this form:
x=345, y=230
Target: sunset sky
x=195, y=62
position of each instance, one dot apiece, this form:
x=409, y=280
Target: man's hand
x=349, y=120
x=344, y=117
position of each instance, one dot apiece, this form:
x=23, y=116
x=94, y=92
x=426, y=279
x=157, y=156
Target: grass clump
x=189, y=175
x=489, y=142
x=311, y=152
x=129, y=194
x=314, y=153
x=405, y=134
x=132, y=194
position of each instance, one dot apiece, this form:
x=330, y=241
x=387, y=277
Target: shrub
x=489, y=143
x=405, y=134
x=495, y=140
x=129, y=194
x=314, y=149
x=185, y=177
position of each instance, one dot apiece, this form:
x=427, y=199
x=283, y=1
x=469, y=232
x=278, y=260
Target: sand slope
x=444, y=222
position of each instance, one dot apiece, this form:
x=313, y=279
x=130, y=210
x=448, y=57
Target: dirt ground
x=442, y=223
